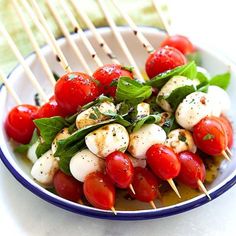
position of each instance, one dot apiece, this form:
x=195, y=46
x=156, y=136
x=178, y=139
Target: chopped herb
x=56, y=76
x=93, y=116
x=182, y=138
x=36, y=99
x=123, y=149
x=128, y=68
x=208, y=137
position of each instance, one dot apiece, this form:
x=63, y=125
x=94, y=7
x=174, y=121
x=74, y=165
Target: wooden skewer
x=10, y=89
x=229, y=151
x=113, y=210
x=56, y=50
x=120, y=39
x=173, y=186
x=51, y=36
x=96, y=34
x=21, y=59
x=132, y=188
x=137, y=32
x=163, y=18
x=225, y=155
x=203, y=188
x=80, y=202
x=77, y=29
x=153, y=205
x=68, y=36
x=34, y=43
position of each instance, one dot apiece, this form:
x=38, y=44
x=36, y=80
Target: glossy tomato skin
x=210, y=136
x=19, y=123
x=163, y=161
x=49, y=109
x=163, y=59
x=108, y=73
x=74, y=90
x=179, y=42
x=99, y=190
x=229, y=130
x=120, y=169
x=192, y=169
x=145, y=185
x=67, y=187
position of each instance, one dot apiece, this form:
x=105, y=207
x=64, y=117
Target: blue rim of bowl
x=96, y=213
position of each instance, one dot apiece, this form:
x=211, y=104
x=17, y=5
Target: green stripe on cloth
x=142, y=12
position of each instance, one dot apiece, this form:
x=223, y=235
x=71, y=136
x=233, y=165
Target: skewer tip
x=229, y=151
x=113, y=210
x=225, y=155
x=173, y=186
x=153, y=205
x=203, y=188
x=132, y=188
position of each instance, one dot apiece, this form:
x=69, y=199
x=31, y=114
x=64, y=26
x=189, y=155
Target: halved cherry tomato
x=120, y=169
x=179, y=42
x=145, y=185
x=74, y=90
x=107, y=74
x=192, y=169
x=163, y=161
x=99, y=190
x=163, y=59
x=210, y=136
x=67, y=187
x=229, y=130
x=49, y=109
x=19, y=123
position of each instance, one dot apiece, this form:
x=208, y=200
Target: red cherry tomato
x=67, y=187
x=120, y=169
x=145, y=185
x=163, y=59
x=229, y=130
x=210, y=136
x=108, y=73
x=179, y=42
x=49, y=109
x=163, y=161
x=192, y=169
x=74, y=90
x=19, y=123
x=99, y=190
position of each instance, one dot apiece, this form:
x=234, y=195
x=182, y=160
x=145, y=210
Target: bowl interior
x=213, y=63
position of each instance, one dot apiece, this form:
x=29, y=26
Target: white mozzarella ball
x=169, y=87
x=107, y=139
x=181, y=140
x=194, y=107
x=143, y=109
x=89, y=116
x=84, y=163
x=144, y=138
x=45, y=168
x=220, y=100
x=137, y=162
x=63, y=134
x=31, y=153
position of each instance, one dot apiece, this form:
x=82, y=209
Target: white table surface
x=22, y=213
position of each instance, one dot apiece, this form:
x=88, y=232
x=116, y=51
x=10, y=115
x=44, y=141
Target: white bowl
x=212, y=62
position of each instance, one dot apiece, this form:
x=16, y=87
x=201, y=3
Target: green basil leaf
x=151, y=119
x=177, y=95
x=128, y=68
x=42, y=148
x=189, y=70
x=50, y=127
x=98, y=101
x=203, y=80
x=221, y=80
x=23, y=148
x=131, y=91
x=71, y=119
x=170, y=124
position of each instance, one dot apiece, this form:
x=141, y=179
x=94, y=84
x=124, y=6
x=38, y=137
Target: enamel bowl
x=21, y=170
